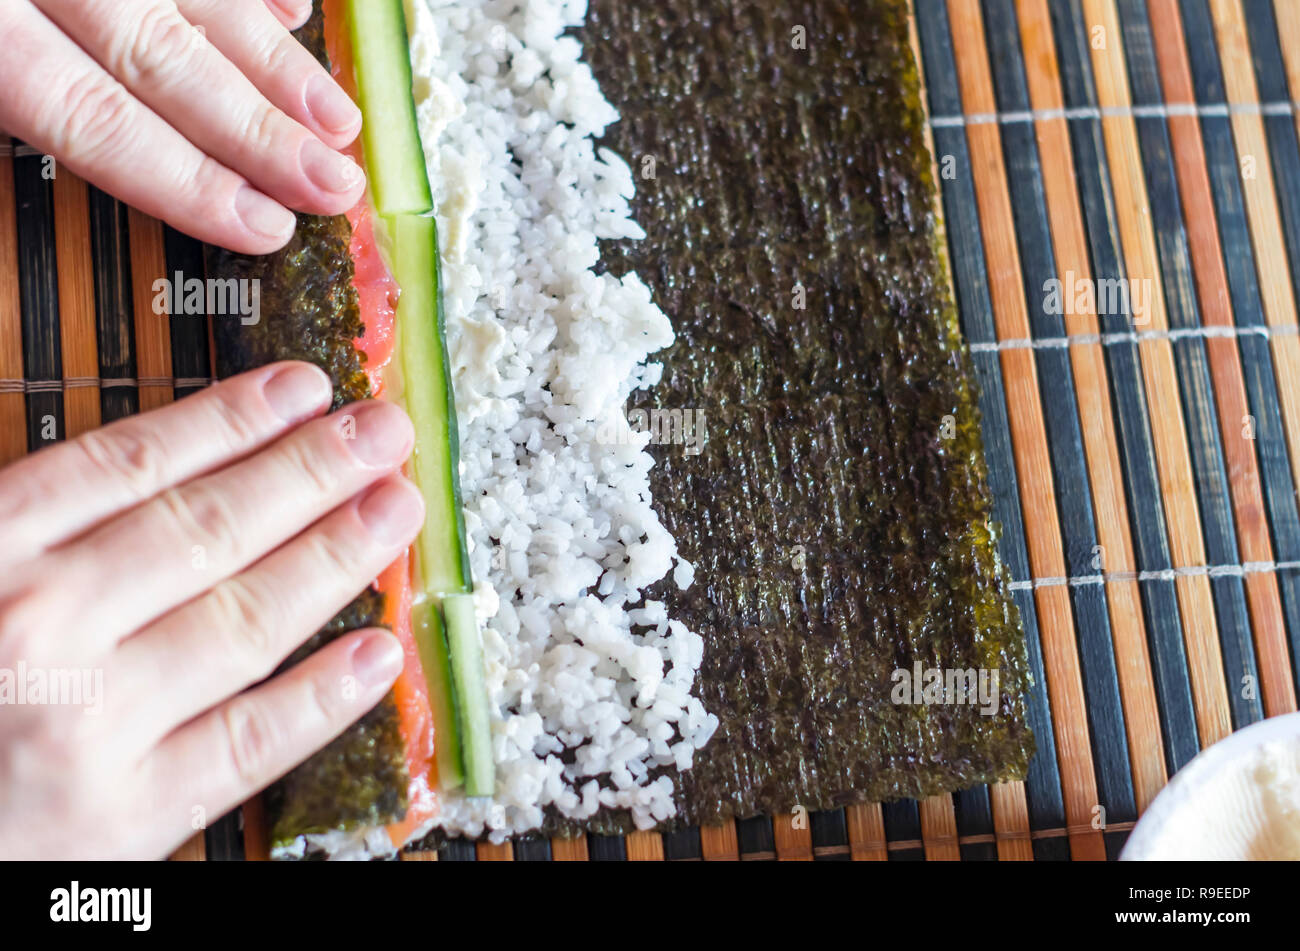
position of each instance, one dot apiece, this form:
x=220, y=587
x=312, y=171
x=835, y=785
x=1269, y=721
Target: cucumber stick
x=389, y=135
x=442, y=613
x=445, y=620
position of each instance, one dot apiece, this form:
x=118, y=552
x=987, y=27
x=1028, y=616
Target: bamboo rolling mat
x=1144, y=460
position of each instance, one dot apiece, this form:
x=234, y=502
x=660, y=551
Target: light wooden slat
x=1160, y=378
x=569, y=850
x=939, y=829
x=153, y=348
x=867, y=842
x=1262, y=211
x=793, y=837
x=193, y=850
x=644, y=847
x=81, y=410
x=487, y=852
x=1287, y=14
x=1011, y=816
x=13, y=407
x=1267, y=621
x=718, y=843
x=1029, y=438
x=257, y=840
x=1096, y=415
x=419, y=856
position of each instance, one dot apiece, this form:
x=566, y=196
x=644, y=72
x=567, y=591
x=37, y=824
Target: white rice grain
x=590, y=688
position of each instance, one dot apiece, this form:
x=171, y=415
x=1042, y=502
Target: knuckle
x=90, y=119
x=247, y=615
x=281, y=54
x=154, y=50
x=250, y=738
x=24, y=613
x=333, y=556
x=132, y=455
x=326, y=698
x=309, y=464
x=203, y=516
x=234, y=422
x=262, y=126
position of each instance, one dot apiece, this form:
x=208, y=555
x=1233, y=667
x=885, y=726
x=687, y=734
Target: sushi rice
x=590, y=685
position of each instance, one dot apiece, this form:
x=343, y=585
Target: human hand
x=174, y=559
x=207, y=114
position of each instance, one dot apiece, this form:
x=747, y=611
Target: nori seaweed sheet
x=838, y=514
x=309, y=311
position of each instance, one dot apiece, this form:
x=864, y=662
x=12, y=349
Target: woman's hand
x=167, y=563
x=204, y=113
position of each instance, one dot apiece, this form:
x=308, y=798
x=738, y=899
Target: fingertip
x=392, y=511
x=298, y=391
x=270, y=224
x=376, y=659
x=332, y=110
x=292, y=13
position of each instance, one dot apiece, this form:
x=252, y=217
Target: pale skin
x=204, y=113
x=185, y=553
x=178, y=557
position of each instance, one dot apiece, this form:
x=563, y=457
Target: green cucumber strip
x=455, y=668
x=381, y=56
x=430, y=640
x=443, y=565
x=471, y=692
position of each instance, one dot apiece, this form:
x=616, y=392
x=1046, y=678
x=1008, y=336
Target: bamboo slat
x=1262, y=212
x=719, y=842
x=1173, y=455
x=569, y=850
x=1033, y=463
x=487, y=852
x=645, y=847
x=939, y=829
x=1136, y=681
x=13, y=408
x=867, y=841
x=81, y=409
x=1267, y=621
x=792, y=834
x=153, y=352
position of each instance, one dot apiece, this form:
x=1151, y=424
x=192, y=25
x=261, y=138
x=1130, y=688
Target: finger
x=58, y=100
x=222, y=758
x=51, y=496
x=247, y=33
x=241, y=630
x=292, y=13
x=168, y=64
x=190, y=538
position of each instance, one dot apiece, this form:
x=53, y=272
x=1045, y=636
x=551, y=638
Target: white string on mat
x=1163, y=574
x=1131, y=336
x=78, y=382
x=1159, y=111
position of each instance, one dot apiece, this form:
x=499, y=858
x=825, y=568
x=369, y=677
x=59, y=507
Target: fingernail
x=298, y=392
x=262, y=215
x=379, y=434
x=329, y=170
x=393, y=512
x=330, y=106
x=377, y=660
x=294, y=9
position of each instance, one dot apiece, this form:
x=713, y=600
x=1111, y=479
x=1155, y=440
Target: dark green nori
x=838, y=515
x=309, y=311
